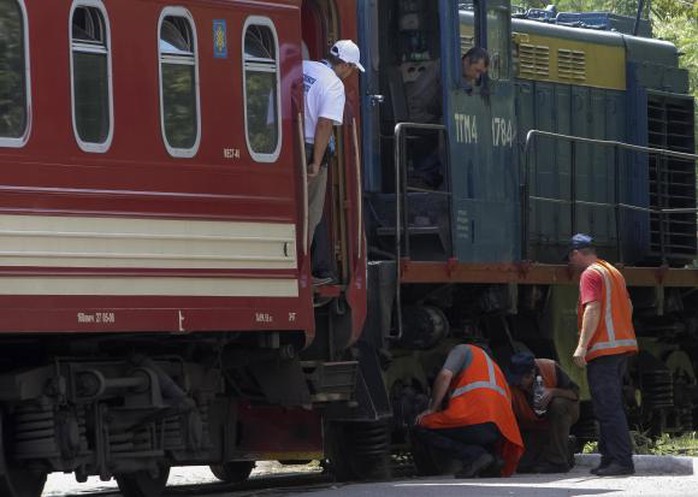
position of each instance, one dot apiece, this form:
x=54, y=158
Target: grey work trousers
x=317, y=186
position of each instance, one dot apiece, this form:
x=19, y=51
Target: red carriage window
x=91, y=74
x=179, y=94
x=14, y=74
x=261, y=73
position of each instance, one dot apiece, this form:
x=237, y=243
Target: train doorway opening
x=321, y=30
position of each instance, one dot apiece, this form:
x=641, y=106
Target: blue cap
x=581, y=241
x=521, y=364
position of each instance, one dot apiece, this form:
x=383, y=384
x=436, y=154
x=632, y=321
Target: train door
x=319, y=27
x=338, y=240
x=404, y=143
x=481, y=127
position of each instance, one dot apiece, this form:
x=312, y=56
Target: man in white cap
x=324, y=108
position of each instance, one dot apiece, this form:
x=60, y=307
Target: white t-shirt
x=324, y=96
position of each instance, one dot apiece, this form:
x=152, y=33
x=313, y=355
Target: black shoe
x=318, y=281
x=324, y=278
x=571, y=449
x=548, y=467
x=603, y=464
x=614, y=469
x=527, y=469
x=474, y=468
x=494, y=470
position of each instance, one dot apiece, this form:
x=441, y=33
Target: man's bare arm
x=323, y=132
x=590, y=320
x=438, y=392
x=441, y=384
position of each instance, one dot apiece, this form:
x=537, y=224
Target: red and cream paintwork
x=133, y=239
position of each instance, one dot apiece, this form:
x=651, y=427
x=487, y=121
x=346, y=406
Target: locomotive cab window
x=90, y=63
x=261, y=87
x=14, y=74
x=179, y=86
x=499, y=42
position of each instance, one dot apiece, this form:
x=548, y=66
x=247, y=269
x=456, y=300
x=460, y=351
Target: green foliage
x=665, y=445
x=626, y=7
x=686, y=445
x=261, y=111
x=179, y=104
x=665, y=10
x=590, y=448
x=679, y=25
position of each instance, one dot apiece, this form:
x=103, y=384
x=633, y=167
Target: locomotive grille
x=571, y=65
x=534, y=60
x=672, y=180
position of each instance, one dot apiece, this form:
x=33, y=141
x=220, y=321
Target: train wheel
x=143, y=483
x=233, y=471
x=359, y=450
x=15, y=480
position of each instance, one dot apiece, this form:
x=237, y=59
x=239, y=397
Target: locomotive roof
x=638, y=47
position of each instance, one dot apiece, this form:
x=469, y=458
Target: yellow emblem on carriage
x=220, y=49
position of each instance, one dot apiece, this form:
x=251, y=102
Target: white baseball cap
x=347, y=51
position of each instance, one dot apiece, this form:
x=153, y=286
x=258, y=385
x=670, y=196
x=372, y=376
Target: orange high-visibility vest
x=523, y=410
x=480, y=394
x=615, y=333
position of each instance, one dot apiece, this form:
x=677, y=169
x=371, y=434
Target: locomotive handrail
x=638, y=148
x=359, y=206
x=304, y=173
x=400, y=191
x=524, y=185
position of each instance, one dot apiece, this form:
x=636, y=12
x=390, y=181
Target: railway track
x=266, y=479
x=200, y=482
x=262, y=485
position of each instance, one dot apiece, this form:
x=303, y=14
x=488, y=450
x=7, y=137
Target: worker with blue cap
x=606, y=340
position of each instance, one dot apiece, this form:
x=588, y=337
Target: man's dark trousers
x=551, y=444
x=466, y=443
x=605, y=376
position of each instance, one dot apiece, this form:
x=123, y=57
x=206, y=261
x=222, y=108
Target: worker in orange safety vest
x=546, y=405
x=470, y=415
x=606, y=339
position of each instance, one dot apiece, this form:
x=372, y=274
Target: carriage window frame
x=179, y=59
x=21, y=141
x=85, y=47
x=262, y=65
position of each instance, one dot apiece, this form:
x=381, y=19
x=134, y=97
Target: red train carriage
x=156, y=306
x=154, y=273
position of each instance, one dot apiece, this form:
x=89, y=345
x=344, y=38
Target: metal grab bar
x=595, y=141
x=304, y=174
x=359, y=200
x=400, y=190
x=524, y=185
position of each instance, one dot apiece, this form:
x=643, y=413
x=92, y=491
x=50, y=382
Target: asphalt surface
x=655, y=477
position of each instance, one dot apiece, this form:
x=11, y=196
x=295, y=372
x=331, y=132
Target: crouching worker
x=545, y=412
x=477, y=426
